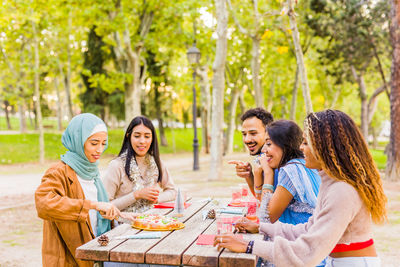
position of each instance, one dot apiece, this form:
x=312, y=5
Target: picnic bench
x=177, y=248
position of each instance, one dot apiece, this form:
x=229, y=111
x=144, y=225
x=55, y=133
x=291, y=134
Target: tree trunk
x=374, y=138
x=364, y=101
x=68, y=77
x=255, y=69
x=6, y=105
x=271, y=96
x=205, y=108
x=22, y=118
x=393, y=162
x=30, y=114
x=292, y=115
x=59, y=104
x=217, y=116
x=22, y=101
x=67, y=90
x=106, y=118
x=242, y=103
x=231, y=121
x=373, y=102
x=299, y=58
x=37, y=93
x=157, y=101
x=125, y=52
x=132, y=90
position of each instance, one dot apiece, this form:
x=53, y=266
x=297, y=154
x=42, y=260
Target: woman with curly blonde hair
x=351, y=197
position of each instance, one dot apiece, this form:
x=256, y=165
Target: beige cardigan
x=339, y=217
x=120, y=188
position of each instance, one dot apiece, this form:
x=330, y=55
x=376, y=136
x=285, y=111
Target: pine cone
x=103, y=240
x=211, y=214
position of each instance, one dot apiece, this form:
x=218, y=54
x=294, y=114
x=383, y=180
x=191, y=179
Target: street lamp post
x=193, y=55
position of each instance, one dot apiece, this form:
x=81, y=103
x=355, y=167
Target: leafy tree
x=352, y=28
x=94, y=99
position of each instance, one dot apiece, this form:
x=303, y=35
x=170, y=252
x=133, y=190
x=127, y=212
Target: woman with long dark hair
x=351, y=197
x=287, y=189
x=291, y=195
x=135, y=178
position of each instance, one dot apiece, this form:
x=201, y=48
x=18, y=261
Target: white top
x=90, y=191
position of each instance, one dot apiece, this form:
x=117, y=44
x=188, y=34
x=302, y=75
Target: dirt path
x=21, y=234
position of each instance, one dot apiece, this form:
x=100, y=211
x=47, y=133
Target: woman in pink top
x=351, y=197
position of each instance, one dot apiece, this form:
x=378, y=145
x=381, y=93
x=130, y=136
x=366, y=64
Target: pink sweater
x=339, y=217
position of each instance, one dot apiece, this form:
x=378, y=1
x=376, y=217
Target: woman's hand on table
x=231, y=242
x=149, y=193
x=107, y=210
x=245, y=225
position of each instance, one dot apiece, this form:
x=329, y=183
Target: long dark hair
x=288, y=136
x=127, y=146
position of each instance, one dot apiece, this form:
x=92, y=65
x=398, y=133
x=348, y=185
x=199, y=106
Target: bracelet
x=258, y=186
x=269, y=187
x=249, y=248
x=257, y=191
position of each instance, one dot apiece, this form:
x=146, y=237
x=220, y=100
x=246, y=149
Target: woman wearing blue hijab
x=71, y=198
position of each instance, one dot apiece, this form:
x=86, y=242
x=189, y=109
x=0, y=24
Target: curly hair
x=339, y=146
x=288, y=136
x=260, y=114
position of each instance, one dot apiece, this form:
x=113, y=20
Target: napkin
x=205, y=240
x=152, y=235
x=209, y=239
x=168, y=205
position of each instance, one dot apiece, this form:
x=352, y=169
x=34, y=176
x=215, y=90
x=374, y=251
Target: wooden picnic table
x=177, y=248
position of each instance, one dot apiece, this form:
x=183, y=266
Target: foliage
x=82, y=36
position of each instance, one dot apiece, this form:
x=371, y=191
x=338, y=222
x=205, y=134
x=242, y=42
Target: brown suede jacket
x=61, y=203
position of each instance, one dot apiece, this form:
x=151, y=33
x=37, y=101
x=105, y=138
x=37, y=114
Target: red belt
x=352, y=246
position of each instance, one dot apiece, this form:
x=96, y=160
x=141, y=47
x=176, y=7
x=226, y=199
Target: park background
x=118, y=59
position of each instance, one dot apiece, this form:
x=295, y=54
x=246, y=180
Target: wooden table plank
x=134, y=250
x=228, y=258
x=204, y=255
x=170, y=251
x=93, y=251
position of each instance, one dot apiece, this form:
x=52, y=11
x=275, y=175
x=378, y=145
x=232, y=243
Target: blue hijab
x=78, y=131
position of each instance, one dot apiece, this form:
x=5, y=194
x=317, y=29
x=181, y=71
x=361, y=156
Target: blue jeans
x=353, y=262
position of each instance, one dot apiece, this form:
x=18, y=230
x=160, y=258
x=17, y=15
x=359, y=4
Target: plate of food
x=155, y=222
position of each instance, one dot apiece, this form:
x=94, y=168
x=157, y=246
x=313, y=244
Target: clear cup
x=252, y=211
x=244, y=190
x=224, y=224
x=236, y=194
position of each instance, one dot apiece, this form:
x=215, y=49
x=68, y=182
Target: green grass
x=24, y=148
x=380, y=158
x=47, y=122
